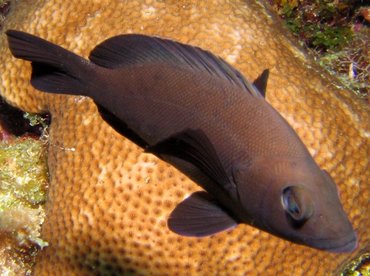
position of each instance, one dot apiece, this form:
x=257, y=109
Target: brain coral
x=108, y=200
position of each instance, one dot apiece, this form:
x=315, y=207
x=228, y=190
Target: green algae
x=36, y=119
x=358, y=267
x=315, y=24
x=23, y=174
x=23, y=184
x=332, y=31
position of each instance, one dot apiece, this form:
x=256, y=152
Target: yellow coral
x=108, y=201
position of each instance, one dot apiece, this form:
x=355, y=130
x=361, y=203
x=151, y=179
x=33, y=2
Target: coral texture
x=108, y=201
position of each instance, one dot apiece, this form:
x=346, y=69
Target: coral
x=108, y=201
x=4, y=9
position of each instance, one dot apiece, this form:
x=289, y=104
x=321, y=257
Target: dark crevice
x=13, y=121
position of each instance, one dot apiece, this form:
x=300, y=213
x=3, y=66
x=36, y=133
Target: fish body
x=213, y=105
x=195, y=111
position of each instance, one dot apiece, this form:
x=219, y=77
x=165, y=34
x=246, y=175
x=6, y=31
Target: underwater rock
x=108, y=201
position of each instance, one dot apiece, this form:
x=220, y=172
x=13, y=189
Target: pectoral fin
x=193, y=146
x=199, y=215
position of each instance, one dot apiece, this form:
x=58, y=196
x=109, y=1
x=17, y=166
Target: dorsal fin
x=261, y=82
x=122, y=50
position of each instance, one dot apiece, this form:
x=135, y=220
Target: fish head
x=295, y=200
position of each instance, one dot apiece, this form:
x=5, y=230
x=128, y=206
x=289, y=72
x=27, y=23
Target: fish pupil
x=293, y=206
x=291, y=203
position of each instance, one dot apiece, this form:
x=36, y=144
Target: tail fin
x=54, y=69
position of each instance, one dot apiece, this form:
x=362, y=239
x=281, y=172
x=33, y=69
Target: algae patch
x=336, y=33
x=23, y=176
x=358, y=267
x=23, y=184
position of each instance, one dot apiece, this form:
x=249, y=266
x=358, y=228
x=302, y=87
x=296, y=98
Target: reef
x=336, y=33
x=108, y=201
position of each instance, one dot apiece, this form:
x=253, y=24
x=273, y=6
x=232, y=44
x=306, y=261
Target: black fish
x=198, y=113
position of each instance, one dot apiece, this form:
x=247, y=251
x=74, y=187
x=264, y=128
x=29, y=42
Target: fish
x=198, y=113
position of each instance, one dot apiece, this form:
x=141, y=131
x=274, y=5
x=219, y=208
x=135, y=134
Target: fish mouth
x=346, y=244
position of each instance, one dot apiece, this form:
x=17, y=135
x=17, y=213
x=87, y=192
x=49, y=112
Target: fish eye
x=291, y=203
x=296, y=205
